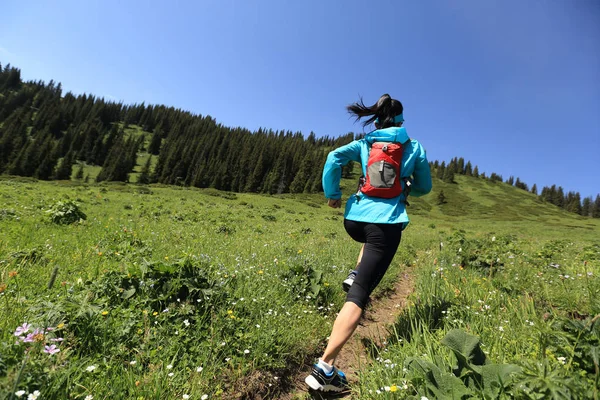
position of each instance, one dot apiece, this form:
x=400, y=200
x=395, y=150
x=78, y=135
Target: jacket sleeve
x=332, y=172
x=421, y=184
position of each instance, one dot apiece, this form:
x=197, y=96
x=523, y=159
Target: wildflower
x=104, y=312
x=257, y=325
x=34, y=395
x=393, y=388
x=22, y=329
x=500, y=328
x=561, y=360
x=424, y=398
x=260, y=272
x=60, y=326
x=204, y=397
x=387, y=388
x=51, y=349
x=170, y=374
x=89, y=397
x=199, y=369
x=186, y=396
x=155, y=313
x=186, y=322
x=12, y=274
x=169, y=366
x=246, y=351
x=166, y=257
x=90, y=368
x=2, y=287
x=137, y=383
x=19, y=393
x=132, y=362
x=38, y=336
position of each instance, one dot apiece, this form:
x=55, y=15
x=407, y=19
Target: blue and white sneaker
x=349, y=280
x=333, y=382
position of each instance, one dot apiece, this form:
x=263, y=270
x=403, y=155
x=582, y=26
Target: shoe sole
x=312, y=382
x=346, y=284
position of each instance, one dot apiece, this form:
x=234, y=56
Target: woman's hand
x=334, y=203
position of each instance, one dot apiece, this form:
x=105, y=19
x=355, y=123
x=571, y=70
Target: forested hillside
x=49, y=135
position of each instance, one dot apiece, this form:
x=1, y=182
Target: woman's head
x=385, y=113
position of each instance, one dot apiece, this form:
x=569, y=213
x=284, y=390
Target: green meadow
x=163, y=292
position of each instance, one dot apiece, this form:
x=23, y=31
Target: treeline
x=43, y=134
x=571, y=201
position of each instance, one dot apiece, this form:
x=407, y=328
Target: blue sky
x=513, y=86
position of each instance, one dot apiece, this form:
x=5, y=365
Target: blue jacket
x=363, y=208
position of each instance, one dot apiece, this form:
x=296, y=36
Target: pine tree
x=511, y=180
x=534, y=189
x=441, y=170
x=79, y=173
x=468, y=169
x=64, y=170
x=476, y=172
x=596, y=207
x=449, y=173
x=441, y=198
x=460, y=166
x=144, y=177
x=586, y=208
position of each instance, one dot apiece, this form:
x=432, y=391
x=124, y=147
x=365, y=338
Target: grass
x=170, y=291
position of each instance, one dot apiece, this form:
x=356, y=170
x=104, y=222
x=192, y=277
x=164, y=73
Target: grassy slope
x=243, y=232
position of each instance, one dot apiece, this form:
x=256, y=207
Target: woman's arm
x=332, y=172
x=421, y=184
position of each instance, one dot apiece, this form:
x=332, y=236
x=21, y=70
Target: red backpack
x=383, y=171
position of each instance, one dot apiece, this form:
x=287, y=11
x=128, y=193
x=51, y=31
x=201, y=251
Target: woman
x=375, y=221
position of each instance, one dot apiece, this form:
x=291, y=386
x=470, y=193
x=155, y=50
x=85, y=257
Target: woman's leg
x=343, y=327
x=381, y=244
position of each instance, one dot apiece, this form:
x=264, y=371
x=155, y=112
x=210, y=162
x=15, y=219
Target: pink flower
x=22, y=329
x=51, y=349
x=29, y=338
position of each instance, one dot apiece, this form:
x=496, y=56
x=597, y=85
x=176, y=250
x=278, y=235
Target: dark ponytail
x=384, y=110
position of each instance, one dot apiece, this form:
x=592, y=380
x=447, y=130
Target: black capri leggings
x=381, y=242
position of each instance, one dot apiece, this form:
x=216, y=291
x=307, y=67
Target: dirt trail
x=372, y=329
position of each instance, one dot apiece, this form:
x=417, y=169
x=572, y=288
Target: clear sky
x=512, y=85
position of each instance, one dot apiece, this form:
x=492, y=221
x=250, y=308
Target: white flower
x=199, y=369
x=19, y=393
x=204, y=397
x=90, y=368
x=34, y=395
x=186, y=396
x=132, y=362
x=246, y=351
x=561, y=359
x=186, y=322
x=170, y=374
x=169, y=366
x=424, y=398
x=501, y=329
x=227, y=359
x=257, y=325
x=386, y=388
x=89, y=397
